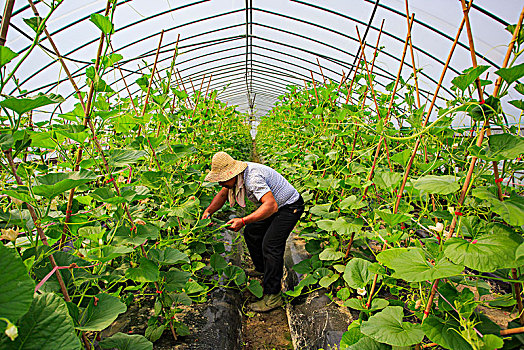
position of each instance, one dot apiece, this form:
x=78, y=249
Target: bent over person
x=268, y=227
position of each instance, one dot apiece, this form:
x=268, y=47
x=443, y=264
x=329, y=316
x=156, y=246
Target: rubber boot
x=267, y=303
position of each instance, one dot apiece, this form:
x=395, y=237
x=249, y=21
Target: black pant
x=266, y=241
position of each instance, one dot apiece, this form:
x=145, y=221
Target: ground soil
x=262, y=331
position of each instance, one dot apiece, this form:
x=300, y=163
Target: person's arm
x=216, y=203
x=269, y=207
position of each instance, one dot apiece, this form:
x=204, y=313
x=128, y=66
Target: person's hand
x=206, y=215
x=236, y=224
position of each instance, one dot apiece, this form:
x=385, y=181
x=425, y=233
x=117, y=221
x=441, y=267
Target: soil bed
x=263, y=330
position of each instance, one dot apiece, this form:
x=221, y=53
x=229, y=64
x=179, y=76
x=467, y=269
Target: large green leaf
x=6, y=55
x=123, y=157
x=387, y=327
x=154, y=179
x=309, y=280
x=445, y=333
x=146, y=272
x=26, y=104
x=110, y=60
x=511, y=74
x=100, y=316
x=107, y=195
x=411, y=265
x=341, y=226
x=376, y=304
x=487, y=252
x=16, y=287
x=175, y=280
x=356, y=273
x=124, y=235
x=352, y=203
x=255, y=288
x=123, y=341
x=468, y=77
x=217, y=262
x=387, y=180
x=443, y=184
x=109, y=253
x=103, y=23
x=323, y=211
x=51, y=185
x=330, y=253
x=511, y=209
x=392, y=219
x=168, y=256
x=501, y=147
x=46, y=326
x=366, y=343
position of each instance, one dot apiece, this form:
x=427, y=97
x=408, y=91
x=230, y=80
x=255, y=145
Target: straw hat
x=224, y=167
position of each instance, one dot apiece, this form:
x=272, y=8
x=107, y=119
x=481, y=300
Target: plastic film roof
x=250, y=50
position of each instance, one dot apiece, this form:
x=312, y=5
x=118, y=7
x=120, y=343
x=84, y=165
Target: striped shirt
x=260, y=179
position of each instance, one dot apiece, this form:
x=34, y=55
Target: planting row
x=414, y=223
x=100, y=204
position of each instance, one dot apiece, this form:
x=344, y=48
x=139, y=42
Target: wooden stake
x=382, y=138
x=184, y=87
x=417, y=144
x=322, y=73
x=208, y=84
x=315, y=86
x=151, y=79
x=412, y=56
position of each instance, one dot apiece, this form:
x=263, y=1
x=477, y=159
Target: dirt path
x=262, y=331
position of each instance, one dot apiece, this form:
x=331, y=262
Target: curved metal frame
x=252, y=65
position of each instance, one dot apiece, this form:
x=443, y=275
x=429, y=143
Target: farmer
x=268, y=227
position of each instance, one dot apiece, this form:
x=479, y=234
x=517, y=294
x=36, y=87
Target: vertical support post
x=6, y=19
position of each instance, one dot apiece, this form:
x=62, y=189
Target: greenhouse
x=212, y=174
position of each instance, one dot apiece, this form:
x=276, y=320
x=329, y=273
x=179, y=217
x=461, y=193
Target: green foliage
x=468, y=77
x=387, y=327
x=47, y=326
x=26, y=104
x=16, y=287
x=123, y=341
x=103, y=23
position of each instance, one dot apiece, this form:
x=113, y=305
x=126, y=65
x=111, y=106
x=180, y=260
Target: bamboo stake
x=382, y=138
x=350, y=90
x=208, y=84
x=6, y=19
x=198, y=97
x=412, y=56
x=321, y=72
x=410, y=23
x=192, y=86
x=314, y=86
x=432, y=104
x=372, y=63
x=151, y=79
x=43, y=237
x=86, y=108
x=134, y=107
x=480, y=137
x=479, y=142
x=340, y=85
x=184, y=87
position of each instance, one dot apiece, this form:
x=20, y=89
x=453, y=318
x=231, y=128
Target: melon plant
x=396, y=226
